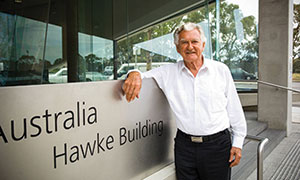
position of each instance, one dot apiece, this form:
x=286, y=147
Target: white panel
x=100, y=103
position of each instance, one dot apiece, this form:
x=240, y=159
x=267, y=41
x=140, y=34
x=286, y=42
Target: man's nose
x=190, y=46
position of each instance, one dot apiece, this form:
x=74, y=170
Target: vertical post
x=44, y=72
x=115, y=58
x=70, y=40
x=260, y=158
x=260, y=151
x=275, y=63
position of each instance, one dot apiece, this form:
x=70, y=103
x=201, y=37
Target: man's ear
x=203, y=44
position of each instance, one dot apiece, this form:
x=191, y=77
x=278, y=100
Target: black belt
x=200, y=139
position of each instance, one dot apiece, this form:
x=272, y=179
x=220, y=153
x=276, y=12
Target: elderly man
x=203, y=97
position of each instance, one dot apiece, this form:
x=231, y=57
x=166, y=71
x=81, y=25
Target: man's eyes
x=193, y=42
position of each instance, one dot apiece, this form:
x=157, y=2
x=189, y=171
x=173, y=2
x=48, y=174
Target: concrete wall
x=248, y=99
x=275, y=62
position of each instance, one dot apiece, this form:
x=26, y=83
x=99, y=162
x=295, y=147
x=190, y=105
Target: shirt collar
x=181, y=65
x=205, y=64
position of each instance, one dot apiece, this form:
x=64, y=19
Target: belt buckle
x=197, y=139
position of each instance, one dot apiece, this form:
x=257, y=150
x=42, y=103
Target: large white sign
x=83, y=131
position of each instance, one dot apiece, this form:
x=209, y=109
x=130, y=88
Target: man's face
x=190, y=46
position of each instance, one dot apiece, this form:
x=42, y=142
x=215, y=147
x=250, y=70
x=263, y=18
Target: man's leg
x=185, y=159
x=213, y=158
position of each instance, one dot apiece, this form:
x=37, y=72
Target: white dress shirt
x=205, y=104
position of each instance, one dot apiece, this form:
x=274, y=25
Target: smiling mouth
x=189, y=52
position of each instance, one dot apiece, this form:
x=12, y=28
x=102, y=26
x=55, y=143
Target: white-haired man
x=205, y=102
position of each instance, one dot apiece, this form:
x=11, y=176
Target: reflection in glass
x=95, y=44
x=54, y=55
x=155, y=46
x=22, y=47
x=238, y=40
x=33, y=52
x=232, y=38
x=97, y=54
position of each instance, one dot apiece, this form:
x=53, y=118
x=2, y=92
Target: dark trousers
x=202, y=161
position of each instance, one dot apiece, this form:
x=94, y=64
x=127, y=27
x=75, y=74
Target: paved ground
x=273, y=161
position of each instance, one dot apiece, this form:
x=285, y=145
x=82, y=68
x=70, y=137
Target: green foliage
x=232, y=51
x=249, y=25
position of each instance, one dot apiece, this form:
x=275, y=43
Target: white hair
x=188, y=27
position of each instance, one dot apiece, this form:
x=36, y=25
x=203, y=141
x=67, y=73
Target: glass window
x=22, y=42
x=154, y=46
x=95, y=44
x=95, y=40
x=235, y=36
x=57, y=66
x=231, y=29
x=97, y=54
x=31, y=49
x=66, y=42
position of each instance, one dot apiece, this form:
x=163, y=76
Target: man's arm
x=236, y=118
x=132, y=85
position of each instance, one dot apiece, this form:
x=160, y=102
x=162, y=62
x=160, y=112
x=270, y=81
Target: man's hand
x=236, y=154
x=132, y=86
